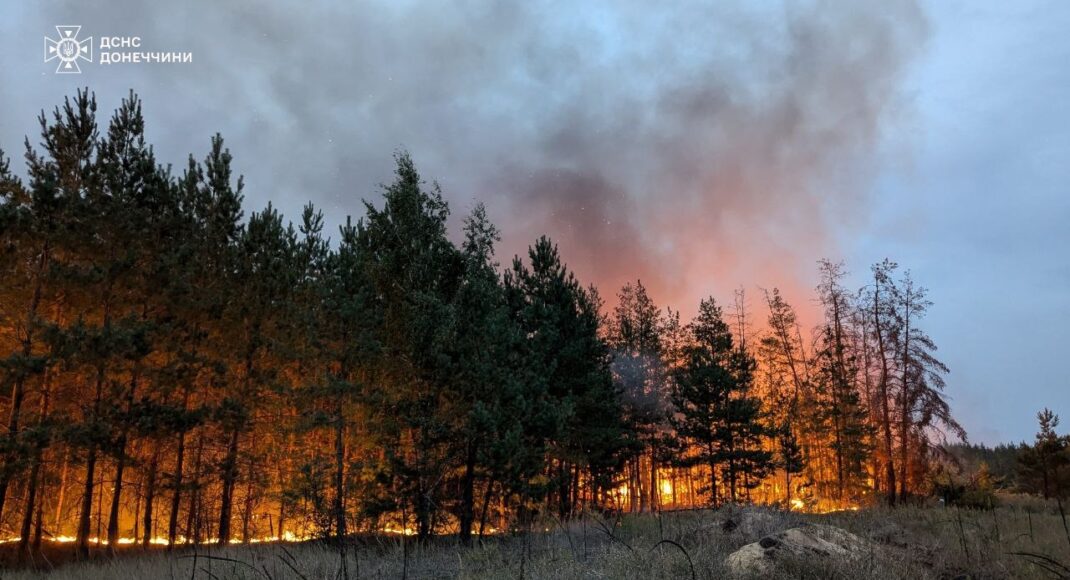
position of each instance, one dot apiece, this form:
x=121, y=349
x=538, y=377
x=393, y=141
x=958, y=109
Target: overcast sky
x=702, y=148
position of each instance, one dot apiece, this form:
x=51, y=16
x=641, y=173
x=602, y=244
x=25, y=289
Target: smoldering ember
x=641, y=310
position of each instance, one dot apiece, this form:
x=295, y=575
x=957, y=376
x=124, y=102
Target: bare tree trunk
x=36, y=545
x=230, y=475
x=904, y=394
x=117, y=490
x=787, y=485
x=31, y=508
x=230, y=462
x=883, y=388
x=468, y=484
x=247, y=513
x=577, y=499
x=193, y=521
x=60, y=494
x=85, y=516
x=654, y=490
x=33, y=502
x=487, y=495
x=714, y=500
x=120, y=468
x=150, y=494
x=282, y=519
x=870, y=397
x=176, y=494
x=339, y=474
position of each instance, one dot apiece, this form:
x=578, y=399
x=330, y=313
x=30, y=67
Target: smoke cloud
x=699, y=147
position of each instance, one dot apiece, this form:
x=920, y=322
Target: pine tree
x=200, y=283
x=141, y=211
x=839, y=410
x=39, y=215
x=638, y=369
x=881, y=313
x=263, y=278
x=744, y=426
x=921, y=403
x=487, y=376
x=790, y=390
x=561, y=321
x=715, y=411
x=416, y=272
x=790, y=458
x=1044, y=467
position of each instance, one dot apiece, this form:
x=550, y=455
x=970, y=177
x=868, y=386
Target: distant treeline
x=1041, y=467
x=174, y=372
x=1001, y=461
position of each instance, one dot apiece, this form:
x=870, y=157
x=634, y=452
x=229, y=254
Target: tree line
x=1040, y=468
x=175, y=372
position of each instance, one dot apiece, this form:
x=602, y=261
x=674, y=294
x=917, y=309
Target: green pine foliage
x=716, y=413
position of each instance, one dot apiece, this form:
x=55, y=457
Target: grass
x=1021, y=539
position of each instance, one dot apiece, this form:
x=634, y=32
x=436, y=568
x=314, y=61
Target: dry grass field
x=1021, y=539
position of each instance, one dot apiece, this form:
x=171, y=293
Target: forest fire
x=259, y=385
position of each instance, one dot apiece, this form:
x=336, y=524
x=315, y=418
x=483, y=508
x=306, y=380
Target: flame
x=162, y=541
x=852, y=508
x=797, y=504
x=287, y=536
x=666, y=487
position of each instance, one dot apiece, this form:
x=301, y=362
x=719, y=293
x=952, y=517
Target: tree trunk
x=904, y=396
x=150, y=494
x=486, y=504
x=85, y=516
x=576, y=498
x=839, y=459
x=787, y=486
x=176, y=494
x=282, y=518
x=247, y=513
x=86, y=513
x=193, y=521
x=713, y=484
x=113, y=511
x=230, y=475
x=641, y=491
x=61, y=493
x=468, y=495
x=563, y=481
x=886, y=416
x=33, y=502
x=120, y=468
x=339, y=475
x=31, y=507
x=18, y=391
x=654, y=489
x=39, y=523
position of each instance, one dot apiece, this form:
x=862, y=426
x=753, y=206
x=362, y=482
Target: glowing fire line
x=182, y=540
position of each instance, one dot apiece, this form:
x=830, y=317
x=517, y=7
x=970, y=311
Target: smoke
x=740, y=162
x=699, y=146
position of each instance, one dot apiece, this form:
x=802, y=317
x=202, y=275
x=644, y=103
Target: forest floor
x=1020, y=539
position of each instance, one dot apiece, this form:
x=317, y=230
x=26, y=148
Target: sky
x=701, y=147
